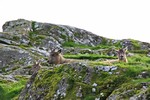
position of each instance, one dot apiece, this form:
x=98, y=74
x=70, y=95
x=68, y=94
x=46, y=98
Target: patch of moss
x=2, y=92
x=63, y=36
x=32, y=36
x=16, y=67
x=33, y=25
x=140, y=51
x=16, y=38
x=136, y=44
x=104, y=41
x=118, y=44
x=140, y=58
x=77, y=35
x=108, y=84
x=10, y=90
x=48, y=81
x=24, y=46
x=129, y=89
x=40, y=37
x=73, y=44
x=101, y=46
x=3, y=69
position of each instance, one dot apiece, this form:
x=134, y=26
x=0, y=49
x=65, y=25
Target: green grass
x=139, y=58
x=10, y=90
x=103, y=45
x=134, y=86
x=136, y=64
x=24, y=46
x=77, y=45
x=140, y=51
x=138, y=81
x=33, y=25
x=48, y=80
x=73, y=44
x=135, y=44
x=89, y=56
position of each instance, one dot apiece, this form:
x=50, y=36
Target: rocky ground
x=23, y=42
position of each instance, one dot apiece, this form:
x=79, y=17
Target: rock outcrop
x=13, y=57
x=55, y=35
x=22, y=42
x=56, y=84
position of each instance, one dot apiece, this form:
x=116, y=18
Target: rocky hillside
x=22, y=42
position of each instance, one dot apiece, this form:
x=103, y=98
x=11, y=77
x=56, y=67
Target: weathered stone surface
x=106, y=68
x=12, y=56
x=19, y=26
x=7, y=78
x=145, y=74
x=62, y=88
x=57, y=34
x=142, y=95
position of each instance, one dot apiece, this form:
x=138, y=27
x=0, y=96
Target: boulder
x=12, y=56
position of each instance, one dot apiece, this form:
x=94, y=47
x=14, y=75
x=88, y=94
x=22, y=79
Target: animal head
x=122, y=54
x=55, y=57
x=36, y=66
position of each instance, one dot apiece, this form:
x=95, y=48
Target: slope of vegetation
x=10, y=90
x=90, y=79
x=124, y=82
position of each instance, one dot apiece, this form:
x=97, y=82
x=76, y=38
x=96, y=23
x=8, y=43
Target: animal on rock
x=56, y=57
x=121, y=53
x=36, y=67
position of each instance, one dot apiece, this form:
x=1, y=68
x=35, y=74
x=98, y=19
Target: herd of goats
x=56, y=57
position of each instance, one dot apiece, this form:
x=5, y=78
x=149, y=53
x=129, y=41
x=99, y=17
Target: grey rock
x=141, y=96
x=94, y=84
x=17, y=26
x=114, y=41
x=145, y=74
x=8, y=78
x=148, y=54
x=130, y=54
x=93, y=90
x=88, y=75
x=106, y=68
x=112, y=97
x=62, y=88
x=79, y=92
x=11, y=54
x=127, y=43
x=145, y=46
x=97, y=98
x=60, y=33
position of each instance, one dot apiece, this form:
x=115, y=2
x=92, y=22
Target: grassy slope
x=10, y=90
x=129, y=72
x=108, y=84
x=127, y=79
